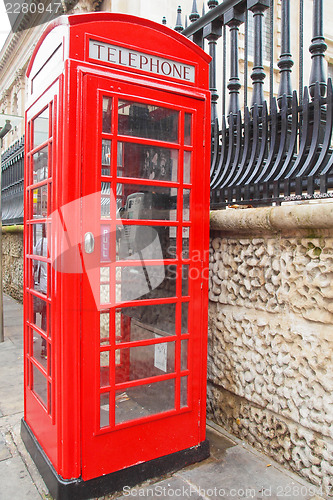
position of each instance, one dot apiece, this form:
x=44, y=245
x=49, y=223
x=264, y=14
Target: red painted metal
x=95, y=364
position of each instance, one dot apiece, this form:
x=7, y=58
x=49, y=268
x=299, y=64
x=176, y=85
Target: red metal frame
x=69, y=431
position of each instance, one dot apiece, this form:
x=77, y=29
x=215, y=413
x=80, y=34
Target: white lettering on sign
x=129, y=58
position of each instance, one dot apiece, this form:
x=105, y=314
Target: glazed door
x=143, y=234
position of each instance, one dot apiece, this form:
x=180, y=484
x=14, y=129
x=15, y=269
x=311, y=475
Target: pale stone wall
x=12, y=264
x=270, y=373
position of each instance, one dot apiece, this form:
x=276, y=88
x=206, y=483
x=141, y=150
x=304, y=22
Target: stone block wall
x=12, y=263
x=270, y=366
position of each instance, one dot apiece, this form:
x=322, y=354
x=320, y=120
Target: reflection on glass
x=186, y=243
x=104, y=327
x=40, y=202
x=147, y=361
x=148, y=121
x=146, y=242
x=107, y=110
x=39, y=385
x=184, y=317
x=147, y=162
x=145, y=282
x=106, y=156
x=185, y=271
x=50, y=399
x=39, y=349
x=105, y=199
x=40, y=279
x=188, y=129
x=104, y=285
x=186, y=204
x=184, y=356
x=40, y=165
x=183, y=392
x=187, y=167
x=104, y=410
x=144, y=400
x=104, y=369
x=146, y=202
x=41, y=127
x=144, y=322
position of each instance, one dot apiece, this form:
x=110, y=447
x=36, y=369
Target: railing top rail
x=211, y=15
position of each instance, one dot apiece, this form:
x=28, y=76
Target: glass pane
x=144, y=400
x=185, y=271
x=104, y=327
x=39, y=385
x=106, y=156
x=145, y=120
x=107, y=110
x=39, y=349
x=41, y=128
x=49, y=321
x=39, y=313
x=40, y=202
x=186, y=243
x=183, y=362
x=188, y=129
x=104, y=369
x=147, y=162
x=183, y=392
x=184, y=317
x=187, y=167
x=146, y=242
x=104, y=285
x=144, y=322
x=147, y=361
x=146, y=202
x=38, y=232
x=40, y=165
x=40, y=277
x=104, y=410
x=50, y=399
x=105, y=199
x=145, y=282
x=186, y=204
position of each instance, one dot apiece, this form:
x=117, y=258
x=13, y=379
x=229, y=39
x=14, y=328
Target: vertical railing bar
x=224, y=71
x=301, y=49
x=246, y=56
x=271, y=53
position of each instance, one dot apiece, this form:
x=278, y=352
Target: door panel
x=142, y=339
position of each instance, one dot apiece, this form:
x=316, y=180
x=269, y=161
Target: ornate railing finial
x=212, y=4
x=317, y=49
x=212, y=32
x=179, y=27
x=285, y=62
x=164, y=21
x=194, y=14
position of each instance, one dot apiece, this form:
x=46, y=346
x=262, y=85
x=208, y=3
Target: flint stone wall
x=270, y=365
x=12, y=264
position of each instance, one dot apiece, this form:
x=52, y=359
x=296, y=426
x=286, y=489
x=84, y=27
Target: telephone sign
x=116, y=236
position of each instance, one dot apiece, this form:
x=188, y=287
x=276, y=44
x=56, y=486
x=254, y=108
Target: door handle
x=89, y=242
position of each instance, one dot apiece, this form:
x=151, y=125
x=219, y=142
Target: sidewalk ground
x=234, y=469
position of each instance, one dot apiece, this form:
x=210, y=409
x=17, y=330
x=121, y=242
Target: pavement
x=234, y=469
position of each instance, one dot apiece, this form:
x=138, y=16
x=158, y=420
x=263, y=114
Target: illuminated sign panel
x=129, y=58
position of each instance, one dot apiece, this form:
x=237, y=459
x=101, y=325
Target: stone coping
x=12, y=229
x=280, y=219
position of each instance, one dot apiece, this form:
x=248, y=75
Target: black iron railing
x=12, y=166
x=278, y=147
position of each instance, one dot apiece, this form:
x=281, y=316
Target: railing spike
x=194, y=13
x=203, y=10
x=164, y=21
x=179, y=27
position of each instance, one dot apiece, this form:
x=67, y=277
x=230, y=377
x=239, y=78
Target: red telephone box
x=116, y=238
